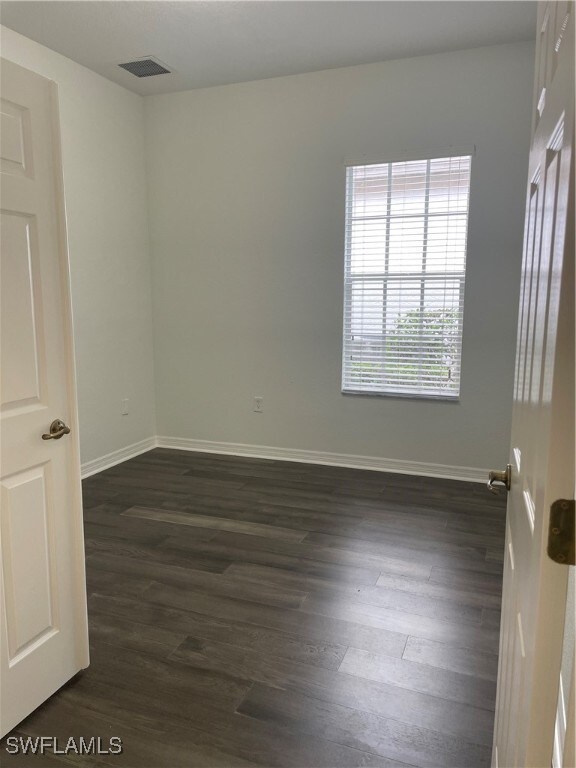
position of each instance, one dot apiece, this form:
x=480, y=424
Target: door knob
x=57, y=430
x=502, y=478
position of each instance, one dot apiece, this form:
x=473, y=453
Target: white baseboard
x=331, y=459
x=374, y=463
x=117, y=457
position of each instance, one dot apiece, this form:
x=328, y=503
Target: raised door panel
x=22, y=376
x=29, y=579
x=15, y=139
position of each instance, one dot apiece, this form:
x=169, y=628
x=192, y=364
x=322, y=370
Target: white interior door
x=542, y=453
x=44, y=639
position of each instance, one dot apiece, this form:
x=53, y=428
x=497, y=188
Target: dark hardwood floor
x=246, y=612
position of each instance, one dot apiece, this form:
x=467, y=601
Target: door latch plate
x=561, y=531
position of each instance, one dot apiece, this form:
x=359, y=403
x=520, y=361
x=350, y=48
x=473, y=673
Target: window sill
x=402, y=395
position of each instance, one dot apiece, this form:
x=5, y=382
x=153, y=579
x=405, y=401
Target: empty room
x=287, y=384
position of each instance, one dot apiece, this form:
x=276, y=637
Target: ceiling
x=219, y=42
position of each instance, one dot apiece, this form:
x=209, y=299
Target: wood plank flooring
x=246, y=612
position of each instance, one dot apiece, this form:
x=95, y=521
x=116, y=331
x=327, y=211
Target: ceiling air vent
x=146, y=67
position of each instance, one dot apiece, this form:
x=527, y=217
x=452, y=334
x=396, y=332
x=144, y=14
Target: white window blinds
x=405, y=262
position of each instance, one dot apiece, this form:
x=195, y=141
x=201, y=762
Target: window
x=405, y=261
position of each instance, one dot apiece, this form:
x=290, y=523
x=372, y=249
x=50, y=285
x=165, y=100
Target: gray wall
x=246, y=202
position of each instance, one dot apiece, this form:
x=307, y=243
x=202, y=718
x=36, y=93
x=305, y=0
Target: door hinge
x=561, y=532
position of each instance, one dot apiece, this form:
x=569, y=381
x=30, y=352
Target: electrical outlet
x=258, y=405
x=124, y=407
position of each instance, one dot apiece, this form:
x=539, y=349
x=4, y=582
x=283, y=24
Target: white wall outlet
x=124, y=407
x=258, y=405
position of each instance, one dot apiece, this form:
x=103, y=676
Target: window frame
x=420, y=277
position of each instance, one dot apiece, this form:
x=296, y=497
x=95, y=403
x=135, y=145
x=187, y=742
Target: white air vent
x=146, y=67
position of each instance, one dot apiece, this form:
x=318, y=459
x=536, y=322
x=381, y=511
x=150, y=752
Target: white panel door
x=44, y=639
x=542, y=453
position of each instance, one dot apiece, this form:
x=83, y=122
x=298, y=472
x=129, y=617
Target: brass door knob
x=57, y=430
x=502, y=478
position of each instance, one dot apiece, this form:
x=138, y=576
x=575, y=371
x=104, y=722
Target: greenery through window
x=406, y=227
